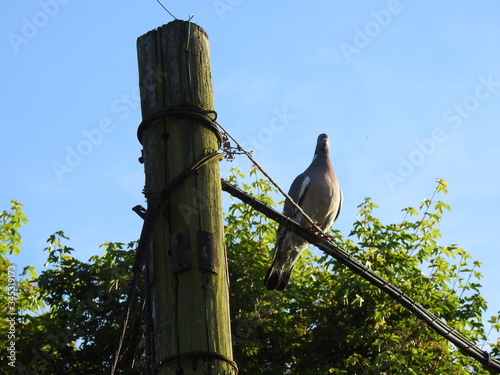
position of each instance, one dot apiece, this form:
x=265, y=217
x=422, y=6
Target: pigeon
x=317, y=192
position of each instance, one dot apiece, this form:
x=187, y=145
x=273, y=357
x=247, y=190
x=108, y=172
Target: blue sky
x=409, y=92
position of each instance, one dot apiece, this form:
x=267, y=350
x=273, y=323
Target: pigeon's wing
x=341, y=200
x=297, y=192
x=284, y=236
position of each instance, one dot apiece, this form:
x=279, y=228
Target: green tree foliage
x=19, y=294
x=327, y=321
x=77, y=333
x=67, y=318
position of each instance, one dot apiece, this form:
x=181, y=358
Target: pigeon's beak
x=326, y=144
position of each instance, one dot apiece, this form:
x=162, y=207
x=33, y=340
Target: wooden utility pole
x=187, y=264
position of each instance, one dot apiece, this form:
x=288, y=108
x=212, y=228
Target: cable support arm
x=327, y=246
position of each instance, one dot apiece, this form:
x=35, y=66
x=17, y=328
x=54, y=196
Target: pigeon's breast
x=323, y=199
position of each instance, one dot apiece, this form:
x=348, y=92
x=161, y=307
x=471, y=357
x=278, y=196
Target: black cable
x=201, y=115
x=140, y=257
x=148, y=319
x=327, y=246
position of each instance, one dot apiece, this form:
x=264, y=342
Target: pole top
x=175, y=24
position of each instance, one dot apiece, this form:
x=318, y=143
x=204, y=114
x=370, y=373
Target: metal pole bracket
x=208, y=259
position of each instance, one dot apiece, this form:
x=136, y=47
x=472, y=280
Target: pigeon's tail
x=277, y=279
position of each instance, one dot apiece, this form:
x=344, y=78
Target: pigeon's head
x=323, y=144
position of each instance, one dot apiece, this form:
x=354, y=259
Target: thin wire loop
x=188, y=60
x=200, y=354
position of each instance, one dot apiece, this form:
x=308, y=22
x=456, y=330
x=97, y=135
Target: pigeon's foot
x=326, y=236
x=313, y=229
